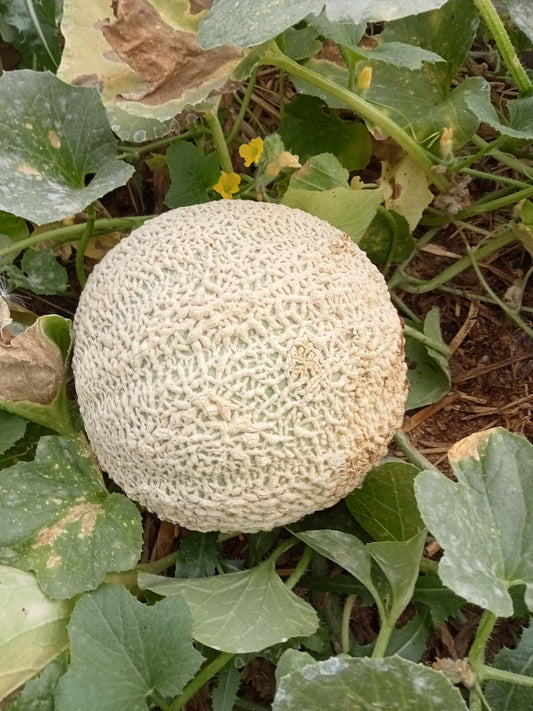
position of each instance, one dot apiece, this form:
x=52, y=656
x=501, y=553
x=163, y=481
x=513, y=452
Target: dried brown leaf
x=168, y=59
x=31, y=366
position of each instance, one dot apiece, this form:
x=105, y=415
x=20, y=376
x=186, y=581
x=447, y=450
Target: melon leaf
x=33, y=628
x=38, y=693
x=519, y=660
x=116, y=647
x=388, y=569
x=58, y=519
x=12, y=428
x=144, y=60
x=249, y=22
x=385, y=506
x=484, y=521
x=240, y=612
x=47, y=172
x=343, y=683
x=192, y=174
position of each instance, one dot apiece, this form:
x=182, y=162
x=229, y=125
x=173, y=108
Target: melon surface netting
x=238, y=365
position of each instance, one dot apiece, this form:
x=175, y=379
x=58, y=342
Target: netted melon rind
x=238, y=365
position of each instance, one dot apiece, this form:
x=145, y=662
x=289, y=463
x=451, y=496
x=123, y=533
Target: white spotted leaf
x=343, y=683
x=240, y=612
x=484, y=521
x=58, y=519
x=48, y=173
x=245, y=23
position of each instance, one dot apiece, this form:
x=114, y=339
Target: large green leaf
x=418, y=100
x=47, y=172
x=344, y=684
x=58, y=519
x=391, y=582
x=385, y=506
x=240, y=612
x=503, y=696
x=484, y=521
x=249, y=22
x=122, y=651
x=33, y=628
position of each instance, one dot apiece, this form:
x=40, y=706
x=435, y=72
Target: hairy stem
x=490, y=15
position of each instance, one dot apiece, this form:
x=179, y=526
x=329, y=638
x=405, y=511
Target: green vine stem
x=346, y=615
x=507, y=159
x=382, y=640
x=219, y=139
x=476, y=657
x=203, y=676
x=275, y=57
x=420, y=286
x=300, y=568
x=72, y=233
x=482, y=207
x=413, y=455
x=244, y=107
x=441, y=348
x=489, y=14
x=82, y=245
x=506, y=676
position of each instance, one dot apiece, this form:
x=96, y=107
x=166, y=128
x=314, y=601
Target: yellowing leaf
x=145, y=61
x=33, y=628
x=405, y=189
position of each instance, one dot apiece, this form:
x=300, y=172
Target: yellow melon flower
x=251, y=152
x=227, y=185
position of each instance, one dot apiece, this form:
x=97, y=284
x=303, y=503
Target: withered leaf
x=168, y=59
x=31, y=365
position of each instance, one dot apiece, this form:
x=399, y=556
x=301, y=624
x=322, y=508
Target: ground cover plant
x=410, y=130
